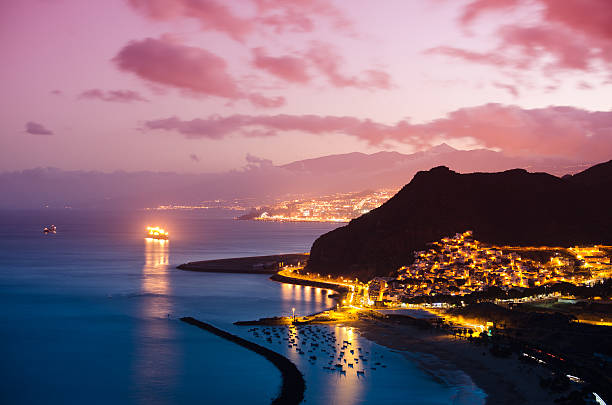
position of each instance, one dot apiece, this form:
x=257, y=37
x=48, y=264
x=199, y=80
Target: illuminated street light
x=293, y=313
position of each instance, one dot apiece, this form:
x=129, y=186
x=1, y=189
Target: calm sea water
x=90, y=315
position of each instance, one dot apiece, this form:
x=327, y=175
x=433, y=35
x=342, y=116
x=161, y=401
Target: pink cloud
x=212, y=15
x=195, y=70
x=324, y=59
x=120, y=96
x=573, y=35
x=35, y=128
x=477, y=7
x=508, y=87
x=186, y=67
x=551, y=131
x=289, y=68
x=567, y=50
x=491, y=58
x=261, y=101
x=328, y=61
x=591, y=17
x=299, y=15
x=279, y=16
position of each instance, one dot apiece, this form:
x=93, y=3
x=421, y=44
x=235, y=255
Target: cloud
x=478, y=7
x=192, y=69
x=212, y=15
x=289, y=68
x=57, y=92
x=592, y=18
x=120, y=96
x=254, y=162
x=186, y=67
x=508, y=87
x=194, y=158
x=266, y=16
x=35, y=128
x=494, y=59
x=261, y=101
x=328, y=61
x=551, y=131
x=571, y=35
x=320, y=57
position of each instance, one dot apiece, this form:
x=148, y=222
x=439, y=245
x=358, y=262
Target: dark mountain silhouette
x=511, y=207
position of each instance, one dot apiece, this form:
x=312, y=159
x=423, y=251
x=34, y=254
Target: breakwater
x=328, y=286
x=293, y=385
x=250, y=265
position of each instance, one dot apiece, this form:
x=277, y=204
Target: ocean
x=91, y=315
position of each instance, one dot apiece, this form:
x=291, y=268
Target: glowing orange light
x=155, y=232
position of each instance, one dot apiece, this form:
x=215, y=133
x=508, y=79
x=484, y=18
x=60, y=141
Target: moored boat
x=50, y=229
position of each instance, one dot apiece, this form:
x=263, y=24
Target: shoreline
x=293, y=385
x=504, y=381
x=317, y=284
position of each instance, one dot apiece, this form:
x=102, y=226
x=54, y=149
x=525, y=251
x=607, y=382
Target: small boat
x=50, y=229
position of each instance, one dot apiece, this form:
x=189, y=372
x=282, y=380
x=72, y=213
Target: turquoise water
x=90, y=315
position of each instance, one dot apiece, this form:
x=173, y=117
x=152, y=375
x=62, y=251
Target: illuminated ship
x=155, y=232
x=50, y=229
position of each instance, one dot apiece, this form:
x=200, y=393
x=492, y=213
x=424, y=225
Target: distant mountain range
x=512, y=207
x=349, y=172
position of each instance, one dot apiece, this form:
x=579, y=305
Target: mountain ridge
x=351, y=172
x=509, y=207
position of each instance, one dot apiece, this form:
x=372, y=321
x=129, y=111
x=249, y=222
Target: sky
x=194, y=86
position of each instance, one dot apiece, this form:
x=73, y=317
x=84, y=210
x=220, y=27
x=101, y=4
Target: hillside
x=511, y=207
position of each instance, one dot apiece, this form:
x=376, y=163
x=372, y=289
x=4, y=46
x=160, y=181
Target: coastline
x=317, y=284
x=504, y=381
x=457, y=363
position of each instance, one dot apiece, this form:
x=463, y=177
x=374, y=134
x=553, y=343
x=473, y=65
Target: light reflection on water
x=156, y=354
x=98, y=301
x=369, y=374
x=312, y=299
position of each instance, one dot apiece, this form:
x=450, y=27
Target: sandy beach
x=506, y=381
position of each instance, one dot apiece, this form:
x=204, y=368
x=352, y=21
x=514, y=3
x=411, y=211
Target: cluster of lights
x=340, y=207
x=460, y=265
x=156, y=232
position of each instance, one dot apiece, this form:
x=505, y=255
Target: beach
x=504, y=380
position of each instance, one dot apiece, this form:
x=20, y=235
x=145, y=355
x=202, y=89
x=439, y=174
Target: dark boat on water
x=50, y=229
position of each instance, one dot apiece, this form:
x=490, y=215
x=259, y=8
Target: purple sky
x=196, y=85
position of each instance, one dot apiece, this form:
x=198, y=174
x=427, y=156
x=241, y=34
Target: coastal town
x=335, y=207
x=543, y=306
x=338, y=207
x=460, y=265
